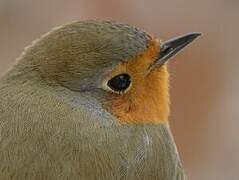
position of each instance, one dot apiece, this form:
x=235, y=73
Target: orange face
x=147, y=98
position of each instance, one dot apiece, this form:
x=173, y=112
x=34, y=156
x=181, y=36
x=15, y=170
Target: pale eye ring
x=119, y=83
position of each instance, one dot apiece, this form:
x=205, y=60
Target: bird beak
x=171, y=47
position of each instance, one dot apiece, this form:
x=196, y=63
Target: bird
x=90, y=100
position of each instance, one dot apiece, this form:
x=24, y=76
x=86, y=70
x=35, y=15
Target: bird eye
x=119, y=83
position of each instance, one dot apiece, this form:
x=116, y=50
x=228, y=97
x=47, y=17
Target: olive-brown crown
x=85, y=56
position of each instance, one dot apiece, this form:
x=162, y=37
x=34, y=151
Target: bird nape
x=90, y=100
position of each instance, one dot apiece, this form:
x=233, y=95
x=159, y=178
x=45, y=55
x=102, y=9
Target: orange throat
x=147, y=101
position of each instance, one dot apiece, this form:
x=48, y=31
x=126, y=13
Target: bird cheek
x=118, y=106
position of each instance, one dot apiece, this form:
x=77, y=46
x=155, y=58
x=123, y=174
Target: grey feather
x=50, y=131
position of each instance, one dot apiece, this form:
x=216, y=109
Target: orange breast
x=147, y=101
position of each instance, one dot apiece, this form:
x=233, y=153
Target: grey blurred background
x=204, y=77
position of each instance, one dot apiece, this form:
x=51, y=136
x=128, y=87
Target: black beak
x=171, y=47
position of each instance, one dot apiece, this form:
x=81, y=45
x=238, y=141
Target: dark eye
x=120, y=82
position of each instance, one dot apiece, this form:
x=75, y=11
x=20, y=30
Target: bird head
x=122, y=67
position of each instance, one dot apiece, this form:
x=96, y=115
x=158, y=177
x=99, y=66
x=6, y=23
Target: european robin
x=89, y=100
